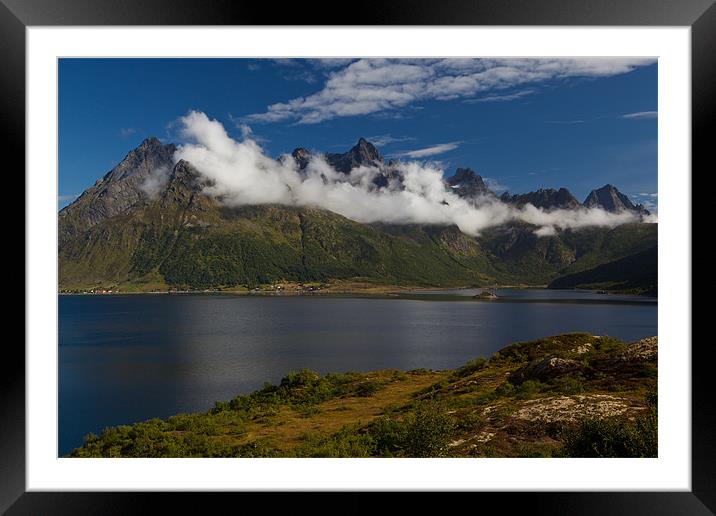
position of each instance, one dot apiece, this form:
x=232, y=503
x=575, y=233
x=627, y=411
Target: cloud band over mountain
x=239, y=173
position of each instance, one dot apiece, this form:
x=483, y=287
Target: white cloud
x=642, y=115
x=566, y=122
x=68, y=197
x=155, y=181
x=246, y=131
x=241, y=174
x=127, y=131
x=386, y=139
x=495, y=185
x=649, y=200
x=433, y=150
x=501, y=98
x=332, y=62
x=368, y=86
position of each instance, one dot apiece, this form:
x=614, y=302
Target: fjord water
x=127, y=358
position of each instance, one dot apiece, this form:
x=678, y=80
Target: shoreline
x=378, y=290
x=388, y=292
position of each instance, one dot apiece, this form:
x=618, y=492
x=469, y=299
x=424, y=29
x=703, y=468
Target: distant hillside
x=147, y=225
x=637, y=273
x=574, y=395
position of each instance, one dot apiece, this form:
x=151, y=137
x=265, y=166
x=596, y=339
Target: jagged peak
x=366, y=150
x=151, y=141
x=465, y=175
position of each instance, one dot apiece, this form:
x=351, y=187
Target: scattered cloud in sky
x=386, y=139
x=127, y=131
x=639, y=115
x=501, y=98
x=642, y=115
x=331, y=62
x=649, y=200
x=287, y=61
x=566, y=122
x=246, y=130
x=68, y=197
x=433, y=150
x=240, y=173
x=368, y=86
x=301, y=75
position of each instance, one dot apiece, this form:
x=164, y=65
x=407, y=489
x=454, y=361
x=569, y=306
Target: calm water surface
x=128, y=358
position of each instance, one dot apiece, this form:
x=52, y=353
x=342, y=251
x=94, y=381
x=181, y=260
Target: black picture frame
x=16, y=15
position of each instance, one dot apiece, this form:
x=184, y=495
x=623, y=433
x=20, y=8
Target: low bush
x=425, y=432
x=470, y=367
x=614, y=437
x=367, y=389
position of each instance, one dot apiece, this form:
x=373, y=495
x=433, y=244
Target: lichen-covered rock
x=573, y=408
x=644, y=350
x=544, y=369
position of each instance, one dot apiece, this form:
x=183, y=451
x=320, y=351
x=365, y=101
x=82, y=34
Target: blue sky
x=523, y=124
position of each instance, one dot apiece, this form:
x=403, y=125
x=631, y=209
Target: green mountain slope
x=636, y=273
x=118, y=234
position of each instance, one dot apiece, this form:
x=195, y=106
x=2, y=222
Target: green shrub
x=608, y=344
x=505, y=389
x=614, y=437
x=367, y=389
x=470, y=367
x=302, y=378
x=424, y=433
x=347, y=442
x=528, y=389
x=469, y=421
x=568, y=384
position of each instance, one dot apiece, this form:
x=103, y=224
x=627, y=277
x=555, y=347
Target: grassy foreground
x=573, y=395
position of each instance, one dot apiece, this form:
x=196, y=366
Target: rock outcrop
x=545, y=369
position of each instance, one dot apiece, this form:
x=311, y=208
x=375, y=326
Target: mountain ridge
x=118, y=233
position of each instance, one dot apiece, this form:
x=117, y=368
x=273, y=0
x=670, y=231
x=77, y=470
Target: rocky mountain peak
x=609, y=198
x=366, y=150
x=122, y=187
x=301, y=156
x=467, y=183
x=544, y=198
x=151, y=142
x=362, y=153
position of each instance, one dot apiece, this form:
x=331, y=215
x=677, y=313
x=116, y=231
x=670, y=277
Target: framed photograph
x=441, y=248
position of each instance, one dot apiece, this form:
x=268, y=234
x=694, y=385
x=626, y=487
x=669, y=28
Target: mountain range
x=147, y=224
